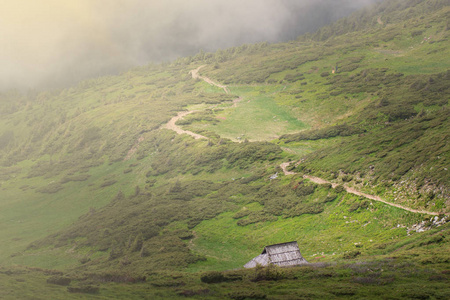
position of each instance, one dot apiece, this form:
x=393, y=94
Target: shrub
x=241, y=214
x=339, y=189
x=366, y=280
x=108, y=183
x=347, y=178
x=349, y=68
x=59, y=280
x=305, y=189
x=433, y=240
x=351, y=254
x=242, y=295
x=309, y=208
x=80, y=177
x=416, y=33
x=86, y=289
x=192, y=293
x=50, y=189
x=213, y=277
x=330, y=198
x=344, y=291
x=294, y=77
x=270, y=273
x=357, y=205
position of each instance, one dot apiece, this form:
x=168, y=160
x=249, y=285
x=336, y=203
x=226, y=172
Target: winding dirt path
x=172, y=123
x=379, y=21
x=356, y=192
x=284, y=168
x=196, y=75
x=172, y=126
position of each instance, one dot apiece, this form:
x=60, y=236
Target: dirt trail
x=356, y=192
x=284, y=168
x=172, y=126
x=379, y=21
x=196, y=75
x=236, y=101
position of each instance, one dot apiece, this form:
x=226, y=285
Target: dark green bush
x=416, y=33
x=51, y=188
x=192, y=293
x=249, y=294
x=351, y=254
x=330, y=198
x=359, y=205
x=270, y=273
x=305, y=189
x=59, y=280
x=86, y=289
x=339, y=189
x=348, y=68
x=241, y=214
x=347, y=178
x=294, y=77
x=108, y=183
x=304, y=208
x=433, y=240
x=213, y=277
x=80, y=177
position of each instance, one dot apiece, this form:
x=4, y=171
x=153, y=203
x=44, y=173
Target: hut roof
x=285, y=254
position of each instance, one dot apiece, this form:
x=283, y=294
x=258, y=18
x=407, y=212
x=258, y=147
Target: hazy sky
x=55, y=42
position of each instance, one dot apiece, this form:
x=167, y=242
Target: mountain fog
x=53, y=43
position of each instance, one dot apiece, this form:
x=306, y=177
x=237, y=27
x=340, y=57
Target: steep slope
x=93, y=180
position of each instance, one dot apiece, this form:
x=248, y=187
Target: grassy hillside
x=95, y=188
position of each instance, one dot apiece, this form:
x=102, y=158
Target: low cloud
x=52, y=43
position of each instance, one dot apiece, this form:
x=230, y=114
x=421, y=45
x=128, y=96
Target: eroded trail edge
x=173, y=126
x=351, y=190
x=196, y=75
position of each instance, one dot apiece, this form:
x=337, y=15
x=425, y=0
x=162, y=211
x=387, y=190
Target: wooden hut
x=283, y=255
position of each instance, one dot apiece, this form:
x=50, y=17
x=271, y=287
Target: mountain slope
x=93, y=182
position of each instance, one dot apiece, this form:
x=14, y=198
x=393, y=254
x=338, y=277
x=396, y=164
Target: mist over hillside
x=51, y=43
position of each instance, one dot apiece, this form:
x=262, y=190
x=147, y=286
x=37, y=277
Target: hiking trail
x=172, y=123
x=173, y=126
x=196, y=75
x=356, y=192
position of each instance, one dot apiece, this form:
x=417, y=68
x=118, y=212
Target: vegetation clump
x=114, y=195
x=59, y=280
